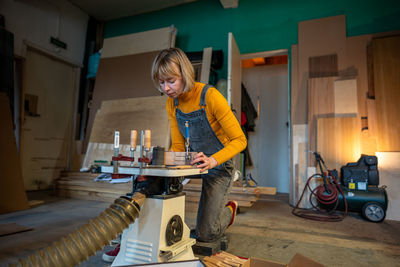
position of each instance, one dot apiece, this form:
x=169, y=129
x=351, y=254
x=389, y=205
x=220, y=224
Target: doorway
x=268, y=87
x=48, y=118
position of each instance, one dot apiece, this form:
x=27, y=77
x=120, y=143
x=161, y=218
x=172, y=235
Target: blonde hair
x=164, y=67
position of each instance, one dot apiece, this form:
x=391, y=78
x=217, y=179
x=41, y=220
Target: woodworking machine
x=152, y=214
x=160, y=233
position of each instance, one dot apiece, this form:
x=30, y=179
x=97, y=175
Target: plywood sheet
x=12, y=191
x=299, y=135
x=137, y=43
x=124, y=115
x=320, y=103
x=296, y=97
x=323, y=66
x=47, y=137
x=120, y=78
x=317, y=37
x=301, y=176
x=386, y=60
x=356, y=60
x=371, y=111
x=389, y=175
x=368, y=143
x=205, y=65
x=338, y=140
x=234, y=92
x=345, y=92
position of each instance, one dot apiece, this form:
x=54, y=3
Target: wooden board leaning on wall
x=386, y=68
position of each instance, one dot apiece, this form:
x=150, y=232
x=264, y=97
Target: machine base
x=146, y=240
x=208, y=249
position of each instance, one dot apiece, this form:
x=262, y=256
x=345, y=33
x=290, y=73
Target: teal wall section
x=258, y=25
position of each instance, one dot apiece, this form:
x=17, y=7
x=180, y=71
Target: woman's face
x=172, y=86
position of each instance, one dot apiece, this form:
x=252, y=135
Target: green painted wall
x=258, y=25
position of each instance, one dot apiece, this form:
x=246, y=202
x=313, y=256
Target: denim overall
x=212, y=216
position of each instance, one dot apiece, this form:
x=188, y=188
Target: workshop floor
x=267, y=230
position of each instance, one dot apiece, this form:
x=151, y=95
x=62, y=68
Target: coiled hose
x=327, y=199
x=88, y=239
x=326, y=195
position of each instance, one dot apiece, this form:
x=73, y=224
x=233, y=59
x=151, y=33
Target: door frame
x=271, y=53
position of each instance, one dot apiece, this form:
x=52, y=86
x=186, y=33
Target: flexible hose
x=88, y=239
x=322, y=196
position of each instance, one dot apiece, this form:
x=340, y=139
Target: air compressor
x=360, y=184
x=357, y=190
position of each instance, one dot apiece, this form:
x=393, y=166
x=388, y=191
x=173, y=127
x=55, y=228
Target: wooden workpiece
x=175, y=171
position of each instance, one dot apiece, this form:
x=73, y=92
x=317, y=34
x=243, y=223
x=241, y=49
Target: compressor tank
x=356, y=199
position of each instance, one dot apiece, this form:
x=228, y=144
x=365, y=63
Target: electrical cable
x=326, y=195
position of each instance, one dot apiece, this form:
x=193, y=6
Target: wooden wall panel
x=299, y=135
x=301, y=177
x=371, y=111
x=12, y=191
x=338, y=140
x=293, y=157
x=345, y=100
x=124, y=115
x=320, y=103
x=323, y=66
x=137, y=43
x=356, y=63
x=295, y=97
x=122, y=77
x=47, y=136
x=386, y=60
x=317, y=37
x=368, y=144
x=389, y=175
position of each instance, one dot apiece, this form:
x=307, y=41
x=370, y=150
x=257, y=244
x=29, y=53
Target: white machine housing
x=145, y=240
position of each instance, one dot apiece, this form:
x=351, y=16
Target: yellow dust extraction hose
x=88, y=239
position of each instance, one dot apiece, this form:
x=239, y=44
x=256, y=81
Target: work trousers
x=212, y=216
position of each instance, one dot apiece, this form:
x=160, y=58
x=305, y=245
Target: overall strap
x=203, y=94
x=176, y=102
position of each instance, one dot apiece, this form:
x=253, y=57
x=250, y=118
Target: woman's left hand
x=205, y=162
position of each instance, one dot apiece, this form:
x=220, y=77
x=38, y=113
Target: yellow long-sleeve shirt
x=219, y=115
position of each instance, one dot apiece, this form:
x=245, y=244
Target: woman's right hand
x=204, y=162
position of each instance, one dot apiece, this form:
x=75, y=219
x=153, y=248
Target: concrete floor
x=267, y=230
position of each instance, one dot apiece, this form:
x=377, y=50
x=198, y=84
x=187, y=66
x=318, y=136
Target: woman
x=214, y=132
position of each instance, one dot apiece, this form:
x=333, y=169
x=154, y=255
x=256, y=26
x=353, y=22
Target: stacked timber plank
x=81, y=185
x=223, y=259
x=245, y=196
